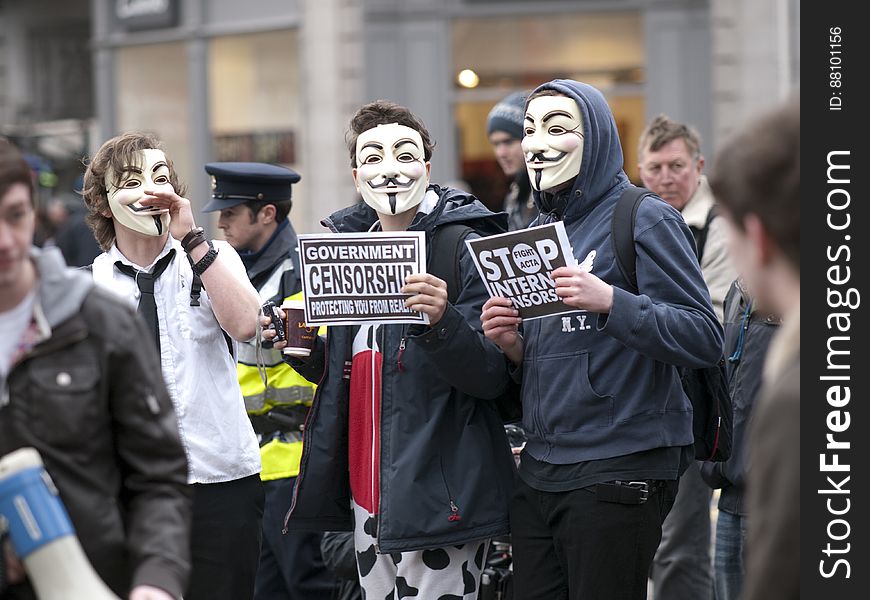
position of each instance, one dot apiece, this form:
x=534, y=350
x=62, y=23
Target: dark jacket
x=442, y=440
x=747, y=336
x=597, y=386
x=106, y=430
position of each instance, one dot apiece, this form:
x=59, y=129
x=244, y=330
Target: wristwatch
x=205, y=262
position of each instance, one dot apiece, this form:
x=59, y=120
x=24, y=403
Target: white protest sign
x=351, y=278
x=517, y=265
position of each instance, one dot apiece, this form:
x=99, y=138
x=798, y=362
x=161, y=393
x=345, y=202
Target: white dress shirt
x=198, y=369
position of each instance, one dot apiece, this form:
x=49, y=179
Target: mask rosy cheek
x=415, y=170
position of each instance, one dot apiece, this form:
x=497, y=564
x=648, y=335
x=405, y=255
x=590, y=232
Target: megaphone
x=41, y=532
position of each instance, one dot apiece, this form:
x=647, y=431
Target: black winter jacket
x=747, y=336
x=90, y=398
x=443, y=445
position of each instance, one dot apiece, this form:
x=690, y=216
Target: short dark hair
x=663, y=130
x=13, y=168
x=758, y=171
x=114, y=155
x=282, y=209
x=384, y=112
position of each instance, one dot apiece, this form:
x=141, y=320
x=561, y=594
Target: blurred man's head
x=504, y=128
x=115, y=181
x=390, y=150
x=16, y=225
x=756, y=181
x=670, y=160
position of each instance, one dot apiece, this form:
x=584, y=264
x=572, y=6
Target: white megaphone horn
x=41, y=532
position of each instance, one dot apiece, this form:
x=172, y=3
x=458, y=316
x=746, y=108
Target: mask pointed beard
x=392, y=198
x=158, y=224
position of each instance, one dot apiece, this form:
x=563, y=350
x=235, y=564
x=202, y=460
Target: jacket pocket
x=567, y=401
x=64, y=409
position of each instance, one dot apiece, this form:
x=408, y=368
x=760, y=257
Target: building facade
x=277, y=80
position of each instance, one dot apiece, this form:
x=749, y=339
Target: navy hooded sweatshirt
x=605, y=387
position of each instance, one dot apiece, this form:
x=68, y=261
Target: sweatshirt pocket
x=566, y=399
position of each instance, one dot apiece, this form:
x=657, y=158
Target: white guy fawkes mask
x=126, y=189
x=391, y=174
x=553, y=141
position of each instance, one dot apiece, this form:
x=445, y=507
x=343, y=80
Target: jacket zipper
x=304, y=458
x=399, y=364
x=454, y=515
x=376, y=428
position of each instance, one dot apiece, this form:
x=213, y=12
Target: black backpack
x=444, y=255
x=707, y=388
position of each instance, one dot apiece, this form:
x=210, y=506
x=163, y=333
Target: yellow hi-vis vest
x=266, y=382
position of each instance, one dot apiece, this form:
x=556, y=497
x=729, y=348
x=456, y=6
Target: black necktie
x=147, y=305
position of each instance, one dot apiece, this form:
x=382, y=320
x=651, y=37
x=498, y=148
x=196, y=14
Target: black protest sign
x=350, y=278
x=517, y=265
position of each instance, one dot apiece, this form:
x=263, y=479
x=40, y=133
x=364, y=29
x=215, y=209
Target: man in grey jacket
x=671, y=165
x=77, y=384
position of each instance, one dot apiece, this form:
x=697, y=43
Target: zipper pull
x=399, y=356
x=454, y=510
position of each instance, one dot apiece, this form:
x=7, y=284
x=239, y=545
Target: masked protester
x=198, y=303
x=410, y=451
x=79, y=386
x=609, y=427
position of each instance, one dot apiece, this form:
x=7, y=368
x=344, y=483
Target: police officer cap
x=236, y=182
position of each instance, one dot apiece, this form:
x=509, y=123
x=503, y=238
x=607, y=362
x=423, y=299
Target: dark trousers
x=225, y=539
x=291, y=566
x=570, y=545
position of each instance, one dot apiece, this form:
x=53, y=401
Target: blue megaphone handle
x=33, y=510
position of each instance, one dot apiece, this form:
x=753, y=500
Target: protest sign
x=517, y=266
x=351, y=278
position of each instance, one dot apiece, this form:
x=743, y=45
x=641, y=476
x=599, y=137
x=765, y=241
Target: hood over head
x=601, y=169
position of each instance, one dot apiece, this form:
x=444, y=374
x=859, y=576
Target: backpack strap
x=701, y=234
x=195, y=293
x=444, y=253
x=622, y=232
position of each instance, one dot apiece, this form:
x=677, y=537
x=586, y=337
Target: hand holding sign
x=501, y=322
x=578, y=287
x=429, y=295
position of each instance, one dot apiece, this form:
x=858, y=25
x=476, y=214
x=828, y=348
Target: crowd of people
x=197, y=460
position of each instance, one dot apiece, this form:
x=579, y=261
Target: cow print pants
x=447, y=573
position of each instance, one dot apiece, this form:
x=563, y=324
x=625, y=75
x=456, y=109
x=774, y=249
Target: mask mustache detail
x=390, y=181
x=539, y=157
